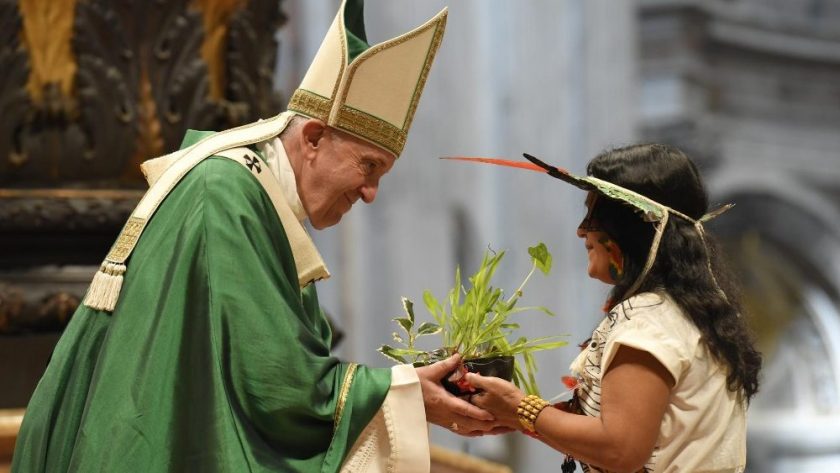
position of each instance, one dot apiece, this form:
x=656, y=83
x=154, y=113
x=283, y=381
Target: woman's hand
x=446, y=410
x=499, y=397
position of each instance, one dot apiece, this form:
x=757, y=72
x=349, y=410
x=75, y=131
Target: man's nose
x=368, y=192
x=581, y=233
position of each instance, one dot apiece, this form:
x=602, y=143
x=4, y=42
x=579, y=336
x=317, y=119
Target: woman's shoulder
x=643, y=304
x=655, y=308
x=653, y=322
x=643, y=301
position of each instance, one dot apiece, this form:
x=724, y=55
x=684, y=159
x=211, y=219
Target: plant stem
x=519, y=289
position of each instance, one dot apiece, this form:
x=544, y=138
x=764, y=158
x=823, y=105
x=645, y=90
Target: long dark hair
x=666, y=175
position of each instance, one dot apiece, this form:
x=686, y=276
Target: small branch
x=519, y=289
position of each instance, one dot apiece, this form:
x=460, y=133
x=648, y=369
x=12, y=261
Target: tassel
x=568, y=465
x=105, y=288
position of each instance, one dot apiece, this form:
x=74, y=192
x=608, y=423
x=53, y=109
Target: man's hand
x=446, y=410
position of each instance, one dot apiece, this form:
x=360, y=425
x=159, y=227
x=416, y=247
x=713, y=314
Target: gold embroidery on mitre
x=424, y=74
x=371, y=128
x=343, y=63
x=310, y=104
x=345, y=391
x=349, y=119
x=127, y=239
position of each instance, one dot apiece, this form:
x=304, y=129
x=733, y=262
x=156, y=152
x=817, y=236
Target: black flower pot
x=497, y=366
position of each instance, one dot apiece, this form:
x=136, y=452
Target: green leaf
x=433, y=306
x=531, y=368
x=544, y=310
x=541, y=257
x=546, y=346
x=391, y=352
x=405, y=323
x=401, y=354
x=524, y=309
x=408, y=306
x=518, y=379
x=428, y=328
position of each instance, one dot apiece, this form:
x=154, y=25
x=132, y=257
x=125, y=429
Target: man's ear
x=312, y=132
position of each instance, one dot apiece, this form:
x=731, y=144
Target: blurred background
x=749, y=88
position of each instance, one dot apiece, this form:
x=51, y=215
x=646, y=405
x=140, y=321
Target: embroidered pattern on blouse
x=589, y=373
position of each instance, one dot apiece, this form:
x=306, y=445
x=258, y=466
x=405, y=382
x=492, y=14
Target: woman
x=664, y=382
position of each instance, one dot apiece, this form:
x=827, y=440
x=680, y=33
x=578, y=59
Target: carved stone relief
x=92, y=88
x=89, y=90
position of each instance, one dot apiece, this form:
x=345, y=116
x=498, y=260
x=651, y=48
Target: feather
x=554, y=171
x=499, y=162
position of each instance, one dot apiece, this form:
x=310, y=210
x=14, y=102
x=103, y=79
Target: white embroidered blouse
x=704, y=426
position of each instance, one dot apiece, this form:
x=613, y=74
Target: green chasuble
x=214, y=359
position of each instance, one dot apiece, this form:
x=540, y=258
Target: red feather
x=499, y=162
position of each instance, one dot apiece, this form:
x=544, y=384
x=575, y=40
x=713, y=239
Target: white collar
x=278, y=161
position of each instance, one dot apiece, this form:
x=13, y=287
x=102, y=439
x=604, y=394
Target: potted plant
x=475, y=322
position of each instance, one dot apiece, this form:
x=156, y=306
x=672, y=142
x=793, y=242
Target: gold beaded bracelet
x=529, y=408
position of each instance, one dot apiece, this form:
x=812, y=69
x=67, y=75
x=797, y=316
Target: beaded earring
x=616, y=258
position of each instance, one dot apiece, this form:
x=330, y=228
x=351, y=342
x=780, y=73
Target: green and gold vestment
x=214, y=359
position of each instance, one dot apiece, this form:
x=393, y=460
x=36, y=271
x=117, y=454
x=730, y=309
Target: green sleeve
x=272, y=341
x=213, y=360
x=285, y=310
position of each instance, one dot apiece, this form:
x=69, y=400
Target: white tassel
x=105, y=288
x=114, y=287
x=94, y=295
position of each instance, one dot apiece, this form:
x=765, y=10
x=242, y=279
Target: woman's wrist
x=528, y=410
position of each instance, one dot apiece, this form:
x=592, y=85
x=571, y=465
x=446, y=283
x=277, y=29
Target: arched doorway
x=783, y=254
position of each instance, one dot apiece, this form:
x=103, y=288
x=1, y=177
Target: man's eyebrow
x=378, y=159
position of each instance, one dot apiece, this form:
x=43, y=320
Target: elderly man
x=201, y=345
